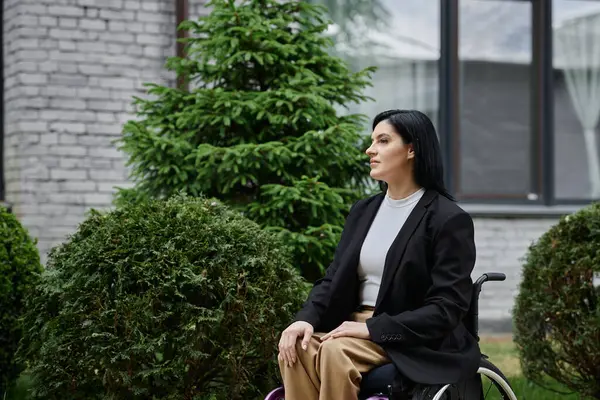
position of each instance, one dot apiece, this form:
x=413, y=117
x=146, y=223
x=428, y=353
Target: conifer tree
x=262, y=126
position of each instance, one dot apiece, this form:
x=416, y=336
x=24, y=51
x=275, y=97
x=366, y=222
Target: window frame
x=542, y=160
x=182, y=13
x=450, y=104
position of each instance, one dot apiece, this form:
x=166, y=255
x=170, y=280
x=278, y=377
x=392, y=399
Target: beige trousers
x=331, y=370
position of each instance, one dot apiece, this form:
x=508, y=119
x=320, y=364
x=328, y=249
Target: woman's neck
x=402, y=190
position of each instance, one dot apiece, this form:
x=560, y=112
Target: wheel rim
x=276, y=394
x=492, y=380
x=440, y=393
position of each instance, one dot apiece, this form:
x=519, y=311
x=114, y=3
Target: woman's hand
x=287, y=343
x=349, y=329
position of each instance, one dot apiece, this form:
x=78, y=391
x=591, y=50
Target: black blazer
x=425, y=290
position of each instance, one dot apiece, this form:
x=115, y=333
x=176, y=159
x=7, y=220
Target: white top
x=389, y=220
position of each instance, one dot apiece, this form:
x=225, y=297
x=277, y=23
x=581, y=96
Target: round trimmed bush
x=20, y=270
x=177, y=299
x=557, y=311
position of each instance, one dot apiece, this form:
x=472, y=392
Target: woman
x=400, y=282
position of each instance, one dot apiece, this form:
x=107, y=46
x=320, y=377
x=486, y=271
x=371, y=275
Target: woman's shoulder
x=445, y=209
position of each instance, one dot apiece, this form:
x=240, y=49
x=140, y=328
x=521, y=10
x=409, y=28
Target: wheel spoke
x=492, y=376
x=488, y=390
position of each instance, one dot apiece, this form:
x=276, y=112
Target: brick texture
x=501, y=245
x=71, y=70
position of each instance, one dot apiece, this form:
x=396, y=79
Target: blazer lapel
x=398, y=247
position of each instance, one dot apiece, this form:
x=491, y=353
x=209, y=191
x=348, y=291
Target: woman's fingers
x=333, y=332
x=349, y=329
x=343, y=333
x=289, y=341
x=290, y=348
x=340, y=328
x=282, y=348
x=306, y=338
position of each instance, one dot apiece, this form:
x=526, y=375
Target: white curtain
x=577, y=43
x=408, y=84
x=399, y=82
x=407, y=75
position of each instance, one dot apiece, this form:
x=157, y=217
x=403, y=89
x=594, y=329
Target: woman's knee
x=335, y=359
x=334, y=348
x=301, y=354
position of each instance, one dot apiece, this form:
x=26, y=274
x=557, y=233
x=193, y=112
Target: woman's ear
x=410, y=152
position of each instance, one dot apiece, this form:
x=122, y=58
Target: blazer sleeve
x=448, y=298
x=318, y=299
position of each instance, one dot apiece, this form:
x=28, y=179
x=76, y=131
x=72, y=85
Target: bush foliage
x=259, y=128
x=20, y=270
x=557, y=313
x=177, y=299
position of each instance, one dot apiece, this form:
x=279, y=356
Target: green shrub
x=260, y=128
x=20, y=269
x=557, y=313
x=177, y=299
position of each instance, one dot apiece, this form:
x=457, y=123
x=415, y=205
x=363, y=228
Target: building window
x=402, y=42
x=494, y=123
x=576, y=77
x=513, y=87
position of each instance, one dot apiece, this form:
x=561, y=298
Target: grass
x=526, y=390
x=502, y=352
x=500, y=349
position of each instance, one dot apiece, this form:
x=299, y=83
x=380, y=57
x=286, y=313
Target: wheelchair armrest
x=488, y=277
x=472, y=317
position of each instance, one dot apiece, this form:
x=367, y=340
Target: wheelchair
x=490, y=382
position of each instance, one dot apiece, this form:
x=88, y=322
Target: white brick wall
x=71, y=69
x=501, y=244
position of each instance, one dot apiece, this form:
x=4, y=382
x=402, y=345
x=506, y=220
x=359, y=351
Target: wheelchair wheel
x=276, y=394
x=494, y=383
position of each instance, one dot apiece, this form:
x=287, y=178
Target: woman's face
x=391, y=158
